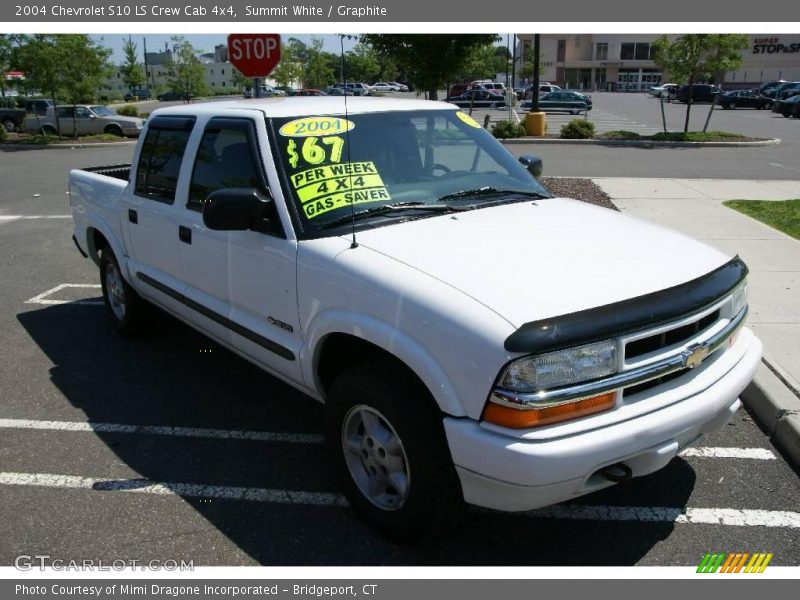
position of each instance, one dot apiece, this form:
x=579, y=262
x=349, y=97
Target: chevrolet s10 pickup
x=474, y=339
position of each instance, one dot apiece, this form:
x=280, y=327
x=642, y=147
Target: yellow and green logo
x=734, y=562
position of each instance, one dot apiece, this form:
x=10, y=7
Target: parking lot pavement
x=604, y=119
x=169, y=446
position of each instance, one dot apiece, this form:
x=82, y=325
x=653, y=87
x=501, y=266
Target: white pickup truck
x=473, y=338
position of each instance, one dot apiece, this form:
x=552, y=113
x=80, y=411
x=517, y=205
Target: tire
x=123, y=305
x=9, y=125
x=377, y=405
x=114, y=130
x=732, y=105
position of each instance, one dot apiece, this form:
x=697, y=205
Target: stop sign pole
x=254, y=54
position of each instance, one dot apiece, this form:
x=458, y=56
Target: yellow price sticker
x=320, y=206
x=467, y=119
x=316, y=126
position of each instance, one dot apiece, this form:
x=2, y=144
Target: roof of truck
x=293, y=106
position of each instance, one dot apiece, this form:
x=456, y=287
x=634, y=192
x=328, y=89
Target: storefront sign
x=773, y=45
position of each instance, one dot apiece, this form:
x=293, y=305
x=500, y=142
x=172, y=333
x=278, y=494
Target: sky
x=205, y=42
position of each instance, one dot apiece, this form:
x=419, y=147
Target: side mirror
x=533, y=164
x=237, y=209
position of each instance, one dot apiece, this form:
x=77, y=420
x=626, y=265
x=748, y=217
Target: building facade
x=623, y=62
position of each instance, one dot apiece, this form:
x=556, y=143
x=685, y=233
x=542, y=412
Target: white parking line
x=192, y=490
x=644, y=514
x=194, y=432
x=753, y=453
x=8, y=218
x=665, y=514
x=43, y=297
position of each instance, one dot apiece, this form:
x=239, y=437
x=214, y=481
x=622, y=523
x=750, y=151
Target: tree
x=85, y=65
x=6, y=50
x=38, y=57
x=484, y=62
x=289, y=70
x=429, y=60
x=320, y=67
x=698, y=57
x=240, y=81
x=186, y=72
x=361, y=64
x=132, y=70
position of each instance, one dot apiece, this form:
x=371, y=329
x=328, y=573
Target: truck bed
x=94, y=196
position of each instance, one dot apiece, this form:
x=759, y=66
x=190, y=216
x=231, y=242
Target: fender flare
x=388, y=338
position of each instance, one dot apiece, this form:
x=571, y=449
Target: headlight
x=739, y=298
x=562, y=367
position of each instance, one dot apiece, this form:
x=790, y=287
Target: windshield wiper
x=388, y=209
x=488, y=191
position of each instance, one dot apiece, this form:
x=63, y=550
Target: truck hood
x=538, y=259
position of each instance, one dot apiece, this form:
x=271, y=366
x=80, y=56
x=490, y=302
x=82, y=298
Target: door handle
x=184, y=234
x=133, y=216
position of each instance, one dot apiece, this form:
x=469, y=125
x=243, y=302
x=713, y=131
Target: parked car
x=790, y=107
x=453, y=368
x=743, y=99
x=12, y=118
x=38, y=106
x=544, y=88
x=339, y=91
x=769, y=88
x=402, y=87
x=247, y=93
x=701, y=92
x=89, y=120
x=478, y=99
x=487, y=84
x=665, y=90
x=139, y=94
x=287, y=90
x=563, y=101
x=309, y=92
x=173, y=96
x=382, y=86
x=359, y=89
x=457, y=89
x=787, y=90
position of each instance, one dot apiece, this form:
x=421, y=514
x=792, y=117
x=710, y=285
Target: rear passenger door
x=241, y=284
x=151, y=215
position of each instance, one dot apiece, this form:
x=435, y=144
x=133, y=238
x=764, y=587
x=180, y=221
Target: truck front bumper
x=511, y=473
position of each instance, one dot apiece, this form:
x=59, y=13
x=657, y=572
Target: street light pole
x=535, y=94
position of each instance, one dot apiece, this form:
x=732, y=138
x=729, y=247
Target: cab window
x=160, y=158
x=227, y=158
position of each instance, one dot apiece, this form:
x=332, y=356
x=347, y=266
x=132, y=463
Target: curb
x=64, y=146
x=642, y=143
x=777, y=409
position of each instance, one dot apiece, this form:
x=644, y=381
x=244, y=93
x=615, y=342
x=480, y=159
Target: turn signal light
x=535, y=417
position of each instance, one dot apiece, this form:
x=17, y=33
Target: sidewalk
x=694, y=207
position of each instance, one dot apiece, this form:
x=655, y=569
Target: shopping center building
x=623, y=62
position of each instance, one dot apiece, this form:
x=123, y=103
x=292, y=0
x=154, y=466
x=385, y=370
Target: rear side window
x=227, y=158
x=160, y=163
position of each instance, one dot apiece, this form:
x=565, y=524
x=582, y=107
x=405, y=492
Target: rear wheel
x=732, y=105
x=114, y=130
x=389, y=449
x=9, y=125
x=124, y=306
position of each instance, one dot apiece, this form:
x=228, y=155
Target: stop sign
x=254, y=54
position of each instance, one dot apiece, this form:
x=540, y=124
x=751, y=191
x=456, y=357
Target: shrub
x=620, y=134
x=508, y=129
x=3, y=133
x=578, y=129
x=128, y=110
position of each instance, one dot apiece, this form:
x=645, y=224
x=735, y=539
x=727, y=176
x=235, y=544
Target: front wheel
x=387, y=440
x=124, y=306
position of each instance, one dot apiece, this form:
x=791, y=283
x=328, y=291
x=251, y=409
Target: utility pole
x=146, y=73
x=535, y=95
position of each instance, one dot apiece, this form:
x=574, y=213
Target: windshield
x=408, y=159
x=103, y=111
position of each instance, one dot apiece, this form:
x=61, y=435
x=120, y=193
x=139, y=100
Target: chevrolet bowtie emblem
x=694, y=355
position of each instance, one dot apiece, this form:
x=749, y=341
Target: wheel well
x=341, y=351
x=97, y=241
